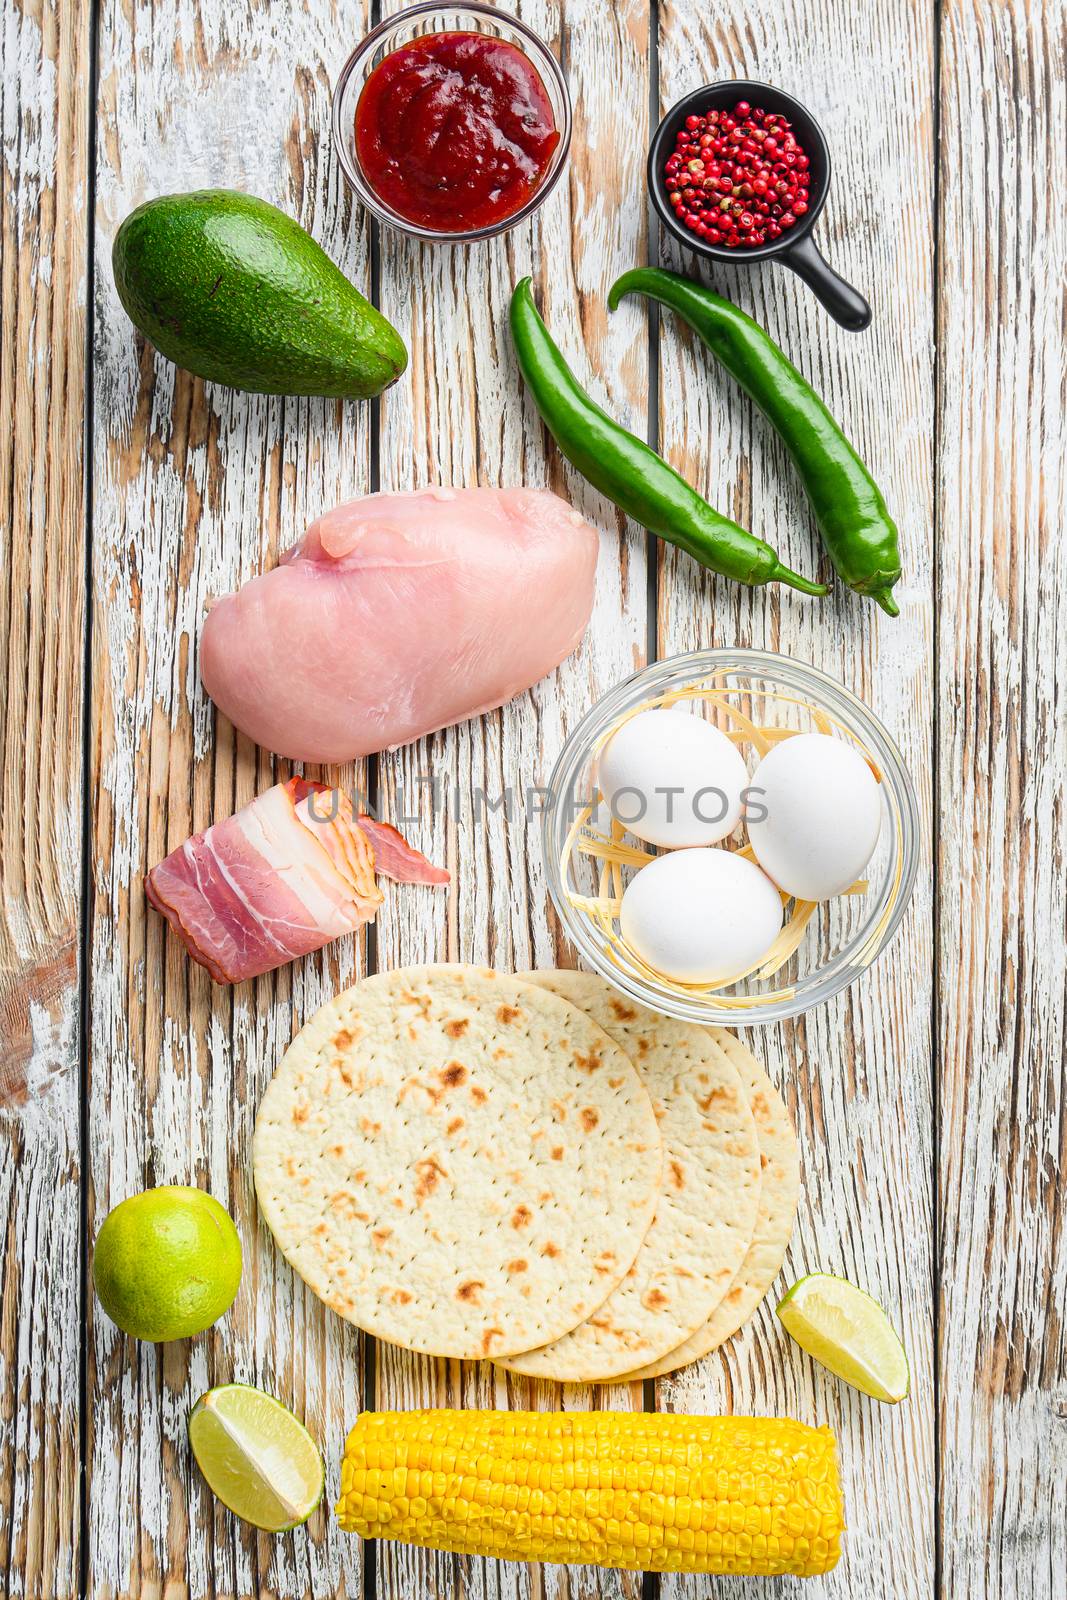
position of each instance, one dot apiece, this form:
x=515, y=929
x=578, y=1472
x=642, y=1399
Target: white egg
x=700, y=915
x=673, y=779
x=821, y=815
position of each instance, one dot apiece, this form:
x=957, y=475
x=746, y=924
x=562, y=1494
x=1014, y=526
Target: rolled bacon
x=394, y=857
x=287, y=874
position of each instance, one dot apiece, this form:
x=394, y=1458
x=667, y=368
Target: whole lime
x=167, y=1263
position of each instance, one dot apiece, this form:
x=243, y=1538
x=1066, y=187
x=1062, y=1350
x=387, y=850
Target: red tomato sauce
x=455, y=131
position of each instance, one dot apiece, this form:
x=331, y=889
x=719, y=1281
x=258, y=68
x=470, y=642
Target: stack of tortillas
x=532, y=1169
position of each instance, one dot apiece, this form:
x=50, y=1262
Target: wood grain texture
x=44, y=126
x=464, y=419
x=1002, y=912
x=195, y=489
x=856, y=1072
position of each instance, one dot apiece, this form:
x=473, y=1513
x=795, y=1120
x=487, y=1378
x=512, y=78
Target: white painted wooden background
x=930, y=1100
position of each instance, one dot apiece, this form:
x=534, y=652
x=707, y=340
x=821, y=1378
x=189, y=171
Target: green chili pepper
x=625, y=469
x=856, y=528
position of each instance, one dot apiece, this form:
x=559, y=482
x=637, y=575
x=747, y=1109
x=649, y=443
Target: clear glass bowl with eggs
x=740, y=946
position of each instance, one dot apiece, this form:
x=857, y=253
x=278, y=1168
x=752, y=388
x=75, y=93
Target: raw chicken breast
x=399, y=614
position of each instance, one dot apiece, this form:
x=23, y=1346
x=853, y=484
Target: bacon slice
x=286, y=875
x=395, y=858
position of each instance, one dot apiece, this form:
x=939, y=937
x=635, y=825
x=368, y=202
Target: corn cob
x=654, y=1493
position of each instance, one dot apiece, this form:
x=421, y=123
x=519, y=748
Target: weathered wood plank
x=1002, y=905
x=463, y=419
x=855, y=1072
x=44, y=124
x=195, y=489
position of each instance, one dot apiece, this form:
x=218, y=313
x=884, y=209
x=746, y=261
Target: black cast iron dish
x=797, y=249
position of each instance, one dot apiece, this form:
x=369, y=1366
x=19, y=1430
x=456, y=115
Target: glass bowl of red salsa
x=451, y=122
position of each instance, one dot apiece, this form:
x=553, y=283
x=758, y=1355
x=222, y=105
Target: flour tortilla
x=708, y=1203
x=457, y=1162
x=779, y=1195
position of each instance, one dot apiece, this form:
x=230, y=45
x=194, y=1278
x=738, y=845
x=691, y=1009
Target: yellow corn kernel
x=652, y=1492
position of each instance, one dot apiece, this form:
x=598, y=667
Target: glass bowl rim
x=843, y=968
x=542, y=58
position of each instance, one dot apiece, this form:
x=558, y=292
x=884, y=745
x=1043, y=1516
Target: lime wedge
x=848, y=1332
x=260, y=1461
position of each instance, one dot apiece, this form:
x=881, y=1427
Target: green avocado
x=232, y=289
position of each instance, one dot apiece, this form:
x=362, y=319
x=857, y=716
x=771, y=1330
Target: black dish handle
x=844, y=303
